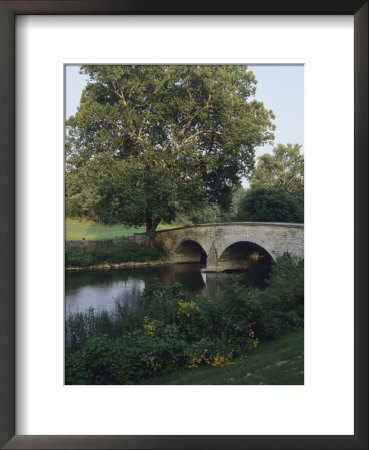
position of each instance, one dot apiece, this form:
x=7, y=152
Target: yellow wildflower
x=149, y=327
x=152, y=364
x=222, y=360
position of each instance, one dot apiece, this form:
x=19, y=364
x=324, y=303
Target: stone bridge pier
x=231, y=246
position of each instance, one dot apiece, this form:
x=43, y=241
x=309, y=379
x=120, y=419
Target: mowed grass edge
x=76, y=230
x=277, y=362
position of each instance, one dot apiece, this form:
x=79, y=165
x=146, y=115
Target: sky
x=279, y=87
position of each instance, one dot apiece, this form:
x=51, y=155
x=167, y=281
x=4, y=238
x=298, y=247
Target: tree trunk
x=151, y=226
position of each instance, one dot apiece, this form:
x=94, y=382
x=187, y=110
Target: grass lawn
x=76, y=230
x=277, y=362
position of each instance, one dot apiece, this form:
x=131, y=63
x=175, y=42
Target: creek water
x=101, y=289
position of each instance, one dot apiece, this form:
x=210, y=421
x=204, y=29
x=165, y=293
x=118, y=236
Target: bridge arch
x=241, y=254
x=189, y=251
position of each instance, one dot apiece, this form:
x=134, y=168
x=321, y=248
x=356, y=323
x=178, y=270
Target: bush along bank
x=167, y=330
x=105, y=252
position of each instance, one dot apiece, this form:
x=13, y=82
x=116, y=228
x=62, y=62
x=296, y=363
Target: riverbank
x=107, y=254
x=108, y=266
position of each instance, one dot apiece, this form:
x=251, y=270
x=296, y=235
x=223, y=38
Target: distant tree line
x=276, y=191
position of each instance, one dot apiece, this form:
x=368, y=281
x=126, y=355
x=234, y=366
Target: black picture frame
x=8, y=11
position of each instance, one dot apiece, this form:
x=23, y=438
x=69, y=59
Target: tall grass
x=122, y=250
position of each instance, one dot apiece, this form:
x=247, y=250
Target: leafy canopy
x=283, y=169
x=151, y=142
x=270, y=205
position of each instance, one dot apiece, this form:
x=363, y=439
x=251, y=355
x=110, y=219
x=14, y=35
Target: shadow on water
x=101, y=289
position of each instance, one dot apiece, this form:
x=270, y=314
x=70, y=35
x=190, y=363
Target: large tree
x=150, y=142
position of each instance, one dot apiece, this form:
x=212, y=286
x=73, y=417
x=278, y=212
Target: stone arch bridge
x=229, y=246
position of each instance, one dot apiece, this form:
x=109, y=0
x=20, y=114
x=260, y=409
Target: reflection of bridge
x=230, y=245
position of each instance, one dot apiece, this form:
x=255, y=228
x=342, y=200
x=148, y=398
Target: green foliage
x=276, y=362
x=269, y=205
x=213, y=213
x=76, y=229
x=286, y=287
x=152, y=142
x=123, y=250
x=228, y=216
x=208, y=214
x=160, y=302
x=284, y=169
x=131, y=357
x=124, y=192
x=80, y=205
x=167, y=330
x=72, y=183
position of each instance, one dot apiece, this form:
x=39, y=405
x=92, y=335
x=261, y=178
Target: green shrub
x=128, y=359
x=270, y=204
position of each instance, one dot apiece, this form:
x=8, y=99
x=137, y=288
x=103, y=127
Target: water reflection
x=101, y=289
